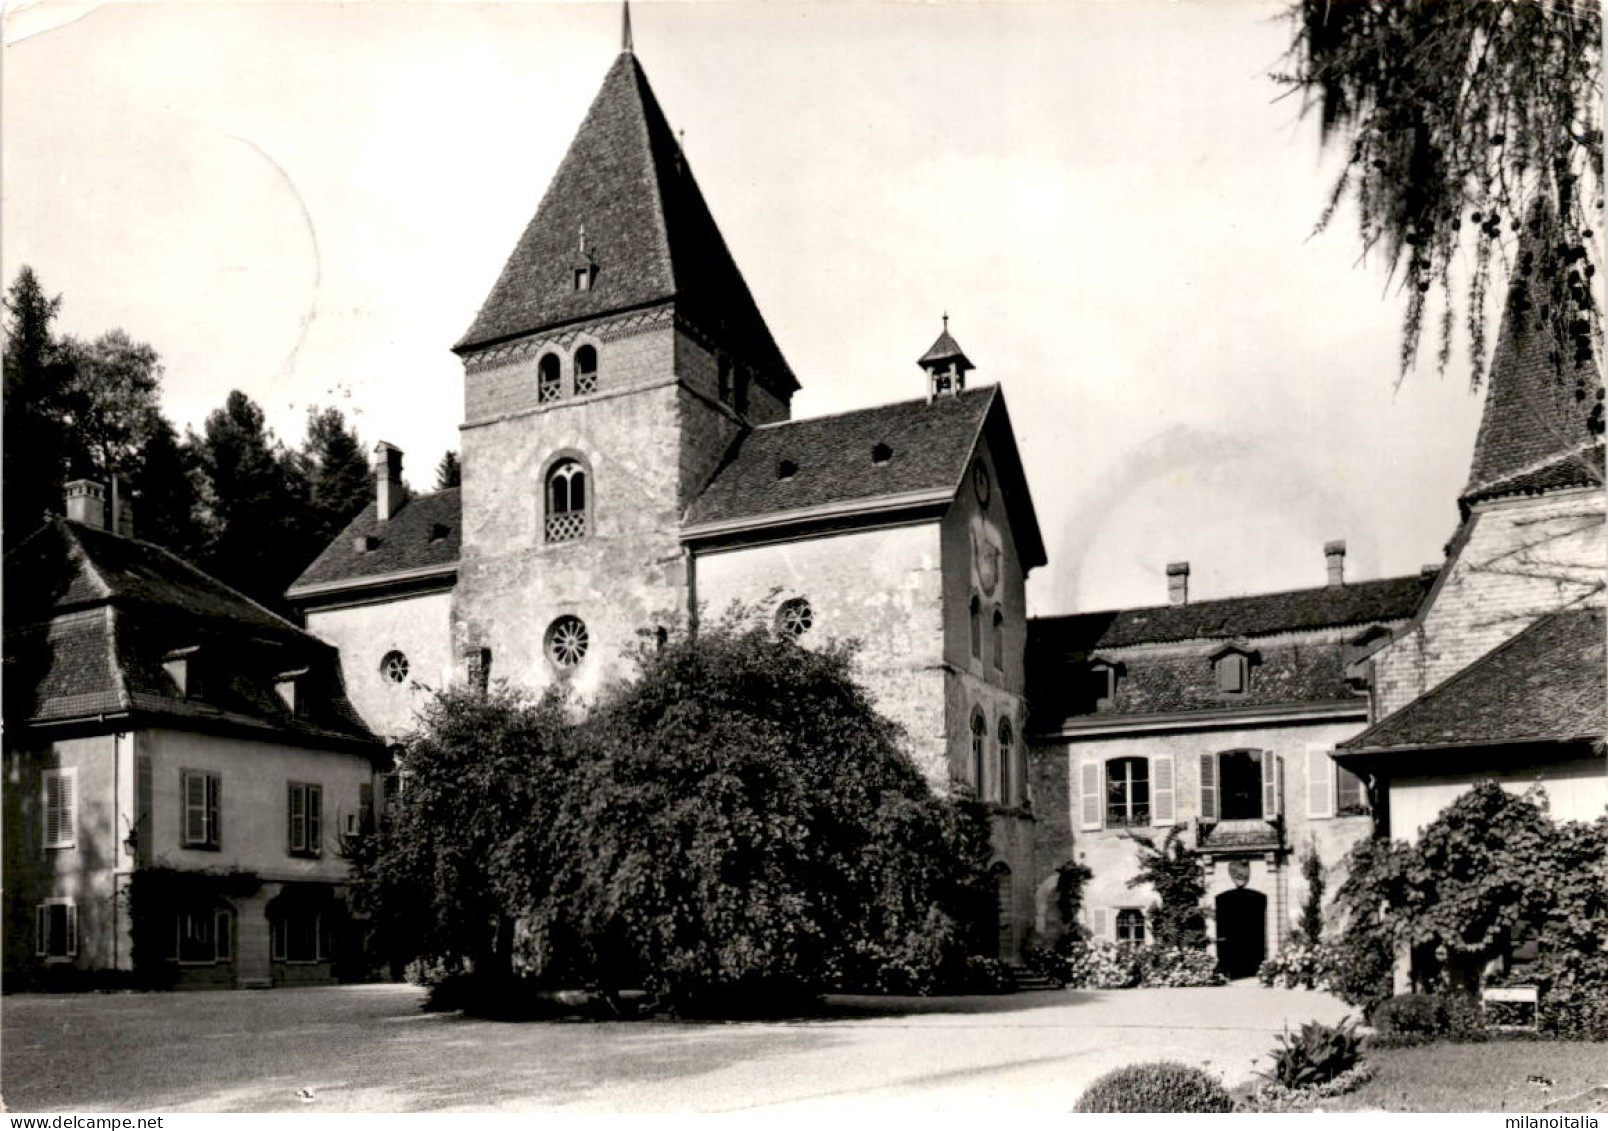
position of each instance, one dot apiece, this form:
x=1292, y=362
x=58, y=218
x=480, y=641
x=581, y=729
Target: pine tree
x=35, y=373
x=448, y=472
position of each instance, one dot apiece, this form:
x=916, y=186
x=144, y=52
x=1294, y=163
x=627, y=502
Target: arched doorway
x=1241, y=932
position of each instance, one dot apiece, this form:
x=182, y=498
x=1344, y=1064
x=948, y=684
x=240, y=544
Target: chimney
x=387, y=480
x=1334, y=554
x=1178, y=583
x=86, y=503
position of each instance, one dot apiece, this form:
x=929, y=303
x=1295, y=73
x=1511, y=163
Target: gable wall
x=420, y=627
x=1523, y=558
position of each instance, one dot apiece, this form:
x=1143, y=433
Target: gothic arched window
x=566, y=501
x=979, y=739
x=585, y=371
x=1007, y=763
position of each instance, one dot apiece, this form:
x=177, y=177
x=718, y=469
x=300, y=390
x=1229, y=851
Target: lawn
x=1490, y=1076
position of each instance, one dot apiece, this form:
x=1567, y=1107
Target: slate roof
x=91, y=618
x=1312, y=668
x=425, y=534
x=930, y=442
x=649, y=234
x=943, y=349
x=1547, y=684
x=1532, y=416
x=1260, y=614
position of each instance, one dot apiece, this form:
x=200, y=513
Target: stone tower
x=608, y=372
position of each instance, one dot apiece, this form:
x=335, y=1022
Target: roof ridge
x=778, y=424
x=77, y=549
x=1351, y=585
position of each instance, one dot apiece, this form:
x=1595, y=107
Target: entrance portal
x=1241, y=932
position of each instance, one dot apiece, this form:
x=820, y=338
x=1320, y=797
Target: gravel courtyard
x=369, y=1048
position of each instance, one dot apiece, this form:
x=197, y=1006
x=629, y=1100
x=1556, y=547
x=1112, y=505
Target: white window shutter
x=1092, y=796
x=1208, y=787
x=1270, y=789
x=1319, y=782
x=1162, y=808
x=72, y=930
x=1100, y=922
x=52, y=809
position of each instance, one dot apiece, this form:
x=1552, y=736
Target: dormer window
x=288, y=685
x=179, y=666
x=583, y=279
x=439, y=531
x=1232, y=665
x=365, y=543
x=1102, y=686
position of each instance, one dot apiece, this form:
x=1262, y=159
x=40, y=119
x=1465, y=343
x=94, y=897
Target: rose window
x=567, y=641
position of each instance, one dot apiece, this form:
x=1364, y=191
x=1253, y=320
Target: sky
x=309, y=202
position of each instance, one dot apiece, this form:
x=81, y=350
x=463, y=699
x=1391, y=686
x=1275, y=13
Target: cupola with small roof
x=946, y=365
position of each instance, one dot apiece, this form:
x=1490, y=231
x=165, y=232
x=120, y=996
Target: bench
x=1516, y=995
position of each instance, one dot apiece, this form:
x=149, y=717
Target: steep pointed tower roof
x=625, y=212
x=1533, y=434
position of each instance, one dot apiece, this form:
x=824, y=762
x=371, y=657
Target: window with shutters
x=1127, y=792
x=61, y=807
x=200, y=795
x=1333, y=790
x=305, y=806
x=1241, y=785
x=1100, y=922
x=56, y=929
x=1350, y=794
x=1131, y=926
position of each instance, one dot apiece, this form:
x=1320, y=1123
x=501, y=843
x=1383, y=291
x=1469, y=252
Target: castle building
x=630, y=464
x=182, y=766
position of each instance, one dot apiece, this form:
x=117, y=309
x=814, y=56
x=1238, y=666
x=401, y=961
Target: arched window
x=566, y=501
x=979, y=739
x=585, y=371
x=794, y=618
x=976, y=627
x=567, y=641
x=548, y=386
x=1007, y=764
x=1131, y=926
x=999, y=640
x=1127, y=792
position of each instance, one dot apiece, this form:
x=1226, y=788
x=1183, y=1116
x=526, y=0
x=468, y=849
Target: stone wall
x=1518, y=559
x=879, y=587
x=420, y=627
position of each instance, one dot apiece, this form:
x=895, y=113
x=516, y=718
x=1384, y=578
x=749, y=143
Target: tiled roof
x=1261, y=614
x=831, y=457
x=942, y=350
x=648, y=232
x=1293, y=673
x=92, y=617
x=1532, y=413
x=1583, y=468
x=1547, y=684
x=101, y=566
x=426, y=533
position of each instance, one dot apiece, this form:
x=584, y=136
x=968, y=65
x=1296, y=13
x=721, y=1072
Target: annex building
x=630, y=463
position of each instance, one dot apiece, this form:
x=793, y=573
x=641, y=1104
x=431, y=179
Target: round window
x=567, y=641
x=795, y=617
x=394, y=667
